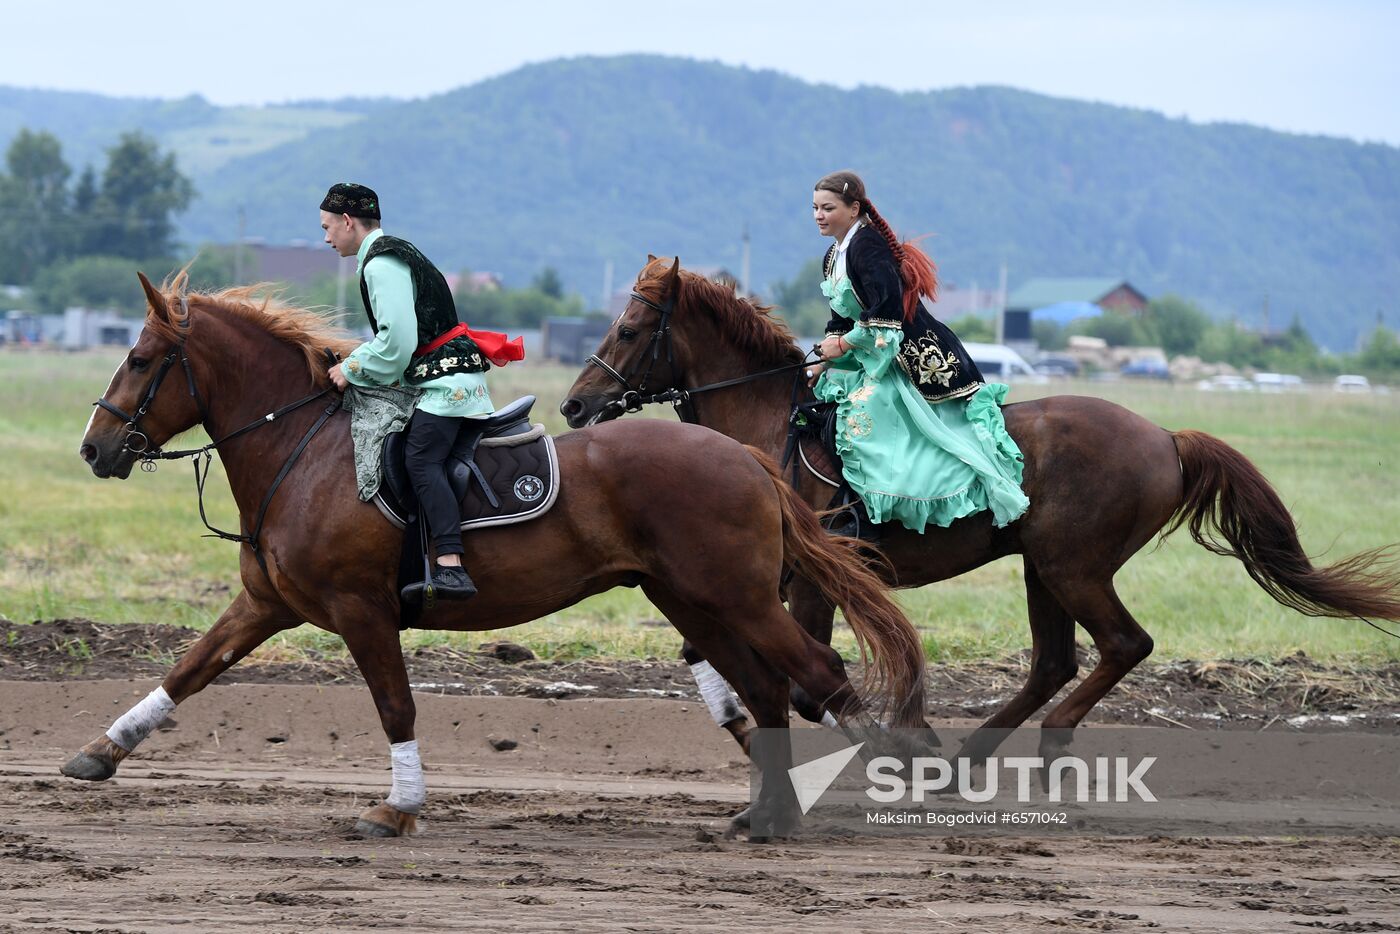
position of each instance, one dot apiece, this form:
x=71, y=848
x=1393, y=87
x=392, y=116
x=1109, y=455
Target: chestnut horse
x=703, y=526
x=1102, y=482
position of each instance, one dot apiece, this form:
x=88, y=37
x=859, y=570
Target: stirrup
x=857, y=524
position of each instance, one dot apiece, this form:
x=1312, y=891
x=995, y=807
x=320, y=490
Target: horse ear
x=651, y=258
x=154, y=298
x=675, y=273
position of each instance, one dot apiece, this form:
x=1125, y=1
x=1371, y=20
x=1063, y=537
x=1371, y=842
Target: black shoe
x=448, y=583
x=855, y=522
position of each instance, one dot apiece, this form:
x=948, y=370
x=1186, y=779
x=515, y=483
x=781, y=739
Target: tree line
x=78, y=241
x=69, y=239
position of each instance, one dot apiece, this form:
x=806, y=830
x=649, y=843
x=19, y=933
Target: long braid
x=883, y=227
x=916, y=269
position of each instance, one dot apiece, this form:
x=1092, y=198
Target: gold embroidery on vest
x=929, y=363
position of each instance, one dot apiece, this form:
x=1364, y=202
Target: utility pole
x=745, y=292
x=1001, y=305
x=238, y=246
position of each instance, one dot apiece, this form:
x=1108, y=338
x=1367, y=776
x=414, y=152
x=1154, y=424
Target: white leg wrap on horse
x=409, y=790
x=716, y=692
x=829, y=721
x=140, y=721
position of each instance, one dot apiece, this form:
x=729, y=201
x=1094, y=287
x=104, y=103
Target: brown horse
x=1102, y=482
x=692, y=517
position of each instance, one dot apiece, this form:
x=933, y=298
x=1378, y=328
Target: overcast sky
x=1327, y=66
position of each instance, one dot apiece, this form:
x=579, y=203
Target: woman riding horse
x=919, y=432
x=1104, y=480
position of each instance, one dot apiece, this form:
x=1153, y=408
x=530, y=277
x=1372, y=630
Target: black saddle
x=502, y=470
x=511, y=422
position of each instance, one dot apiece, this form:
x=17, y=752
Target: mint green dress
x=910, y=460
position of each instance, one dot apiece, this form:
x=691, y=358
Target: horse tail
x=890, y=647
x=1226, y=494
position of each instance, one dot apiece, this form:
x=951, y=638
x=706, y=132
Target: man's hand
x=338, y=378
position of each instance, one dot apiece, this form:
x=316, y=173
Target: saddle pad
x=522, y=471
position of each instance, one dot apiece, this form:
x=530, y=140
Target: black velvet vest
x=436, y=315
x=929, y=353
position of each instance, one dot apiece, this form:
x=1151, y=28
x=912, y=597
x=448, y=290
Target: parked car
x=1277, y=382
x=1350, y=382
x=1225, y=382
x=1000, y=363
x=1056, y=365
x=1146, y=368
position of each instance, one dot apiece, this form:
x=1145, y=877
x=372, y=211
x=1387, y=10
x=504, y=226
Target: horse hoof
x=366, y=828
x=384, y=820
x=738, y=824
x=89, y=768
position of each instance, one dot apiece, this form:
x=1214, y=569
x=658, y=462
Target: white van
x=1350, y=382
x=1277, y=382
x=1001, y=364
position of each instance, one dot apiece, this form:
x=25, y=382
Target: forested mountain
x=577, y=162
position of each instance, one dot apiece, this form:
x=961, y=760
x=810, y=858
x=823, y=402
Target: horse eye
x=138, y=364
x=626, y=334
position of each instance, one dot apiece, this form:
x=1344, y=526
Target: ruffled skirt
x=920, y=463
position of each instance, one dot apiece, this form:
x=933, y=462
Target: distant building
x=473, y=282
x=298, y=262
x=21, y=327
x=571, y=340
x=84, y=328
x=1109, y=294
x=954, y=302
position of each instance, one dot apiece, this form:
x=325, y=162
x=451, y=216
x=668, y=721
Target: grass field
x=72, y=545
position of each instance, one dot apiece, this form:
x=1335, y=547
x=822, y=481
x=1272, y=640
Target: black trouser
x=430, y=441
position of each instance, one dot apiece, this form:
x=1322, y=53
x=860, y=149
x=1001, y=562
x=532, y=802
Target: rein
x=632, y=400
x=139, y=443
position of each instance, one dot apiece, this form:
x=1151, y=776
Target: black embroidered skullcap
x=352, y=199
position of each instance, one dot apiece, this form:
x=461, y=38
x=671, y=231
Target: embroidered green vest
x=436, y=315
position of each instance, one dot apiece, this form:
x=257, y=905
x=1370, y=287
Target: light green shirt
x=382, y=360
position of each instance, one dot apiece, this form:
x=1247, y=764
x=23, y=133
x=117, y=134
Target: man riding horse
x=418, y=342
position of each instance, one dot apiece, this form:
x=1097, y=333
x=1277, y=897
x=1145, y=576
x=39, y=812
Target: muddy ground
x=1290, y=692
x=607, y=815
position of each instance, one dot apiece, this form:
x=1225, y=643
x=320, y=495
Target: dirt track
x=606, y=817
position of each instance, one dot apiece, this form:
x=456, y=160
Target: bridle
x=633, y=399
x=139, y=443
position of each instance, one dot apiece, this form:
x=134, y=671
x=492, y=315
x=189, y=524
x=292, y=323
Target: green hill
x=204, y=135
x=577, y=162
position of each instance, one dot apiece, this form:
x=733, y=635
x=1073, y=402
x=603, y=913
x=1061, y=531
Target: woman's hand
x=832, y=347
x=814, y=372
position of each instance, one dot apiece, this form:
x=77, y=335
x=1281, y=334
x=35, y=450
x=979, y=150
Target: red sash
x=496, y=346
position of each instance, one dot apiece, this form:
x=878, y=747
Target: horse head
x=638, y=355
x=147, y=403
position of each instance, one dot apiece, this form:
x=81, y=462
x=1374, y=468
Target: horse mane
x=260, y=305
x=749, y=324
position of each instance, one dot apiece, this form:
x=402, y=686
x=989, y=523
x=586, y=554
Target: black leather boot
x=854, y=522
x=448, y=583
